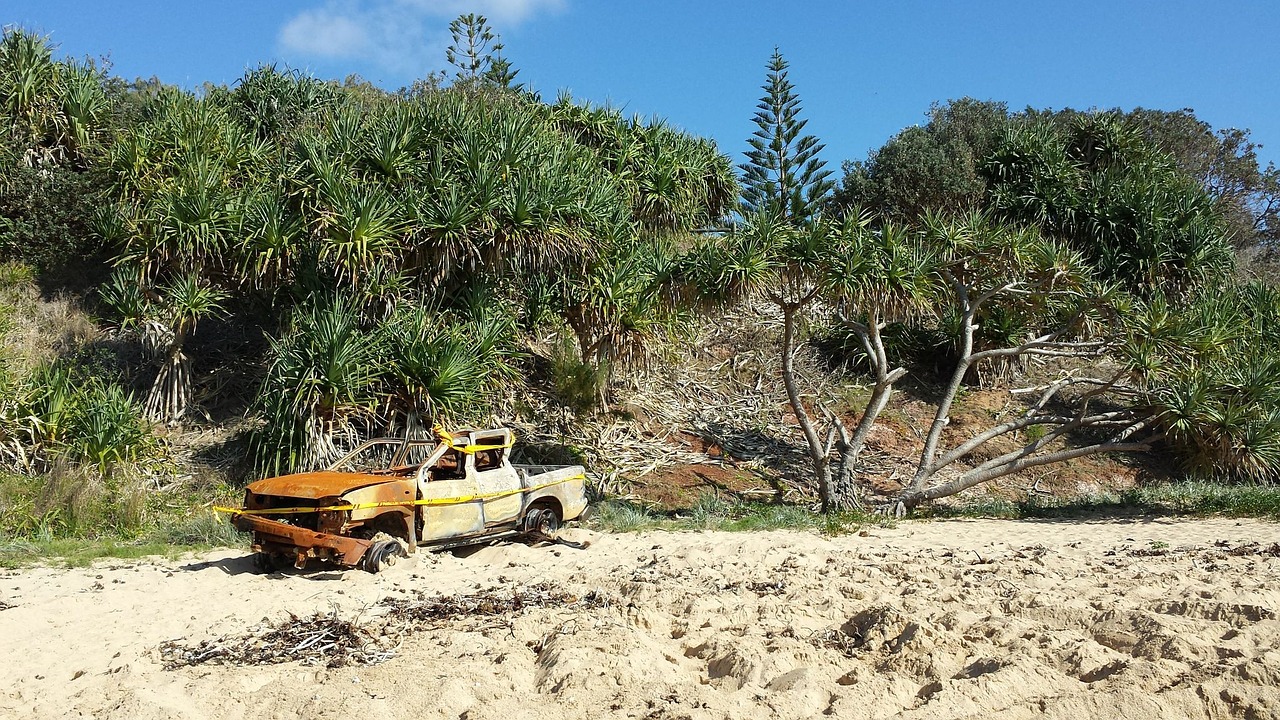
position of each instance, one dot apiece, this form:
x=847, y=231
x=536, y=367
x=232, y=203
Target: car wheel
x=543, y=521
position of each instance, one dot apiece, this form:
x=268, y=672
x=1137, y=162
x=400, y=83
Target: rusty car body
x=390, y=496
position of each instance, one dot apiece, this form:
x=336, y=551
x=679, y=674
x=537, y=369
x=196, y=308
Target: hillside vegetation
x=203, y=287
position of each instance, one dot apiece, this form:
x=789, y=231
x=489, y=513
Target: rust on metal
x=273, y=536
x=315, y=485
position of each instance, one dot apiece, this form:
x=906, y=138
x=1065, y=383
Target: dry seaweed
x=330, y=640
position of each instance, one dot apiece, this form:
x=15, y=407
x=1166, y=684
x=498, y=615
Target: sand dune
x=960, y=619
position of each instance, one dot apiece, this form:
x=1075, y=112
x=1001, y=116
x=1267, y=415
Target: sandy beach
x=957, y=619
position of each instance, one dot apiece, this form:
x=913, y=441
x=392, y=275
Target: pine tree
x=783, y=174
x=474, y=46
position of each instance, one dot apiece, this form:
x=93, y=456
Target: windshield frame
x=398, y=457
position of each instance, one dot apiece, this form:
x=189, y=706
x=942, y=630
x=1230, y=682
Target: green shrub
x=1212, y=363
x=339, y=373
x=718, y=512
x=59, y=413
x=45, y=215
x=105, y=428
x=16, y=274
x=202, y=528
x=74, y=501
x=624, y=516
x=1190, y=497
x=577, y=384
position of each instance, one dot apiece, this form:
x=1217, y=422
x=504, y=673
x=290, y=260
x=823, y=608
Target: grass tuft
x=75, y=516
x=716, y=512
x=202, y=529
x=79, y=552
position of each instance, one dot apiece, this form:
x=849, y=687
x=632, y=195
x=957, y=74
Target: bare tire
x=542, y=520
x=382, y=555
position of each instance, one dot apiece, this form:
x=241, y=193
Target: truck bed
x=535, y=474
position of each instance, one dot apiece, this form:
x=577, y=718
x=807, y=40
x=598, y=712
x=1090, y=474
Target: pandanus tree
x=1210, y=374
x=447, y=360
x=622, y=307
x=54, y=118
x=321, y=385
x=54, y=111
x=787, y=254
x=627, y=297
x=874, y=278
x=449, y=185
x=996, y=270
x=334, y=377
x=850, y=271
x=404, y=205
x=164, y=317
x=1195, y=378
x=1099, y=187
x=184, y=182
x=300, y=192
x=278, y=103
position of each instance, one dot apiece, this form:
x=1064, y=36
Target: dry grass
x=35, y=330
x=719, y=401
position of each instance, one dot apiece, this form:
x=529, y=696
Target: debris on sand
x=328, y=639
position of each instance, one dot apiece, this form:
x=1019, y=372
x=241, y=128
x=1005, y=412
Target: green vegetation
x=78, y=552
x=78, y=514
x=713, y=512
x=1182, y=499
x=55, y=114
x=332, y=261
x=1187, y=498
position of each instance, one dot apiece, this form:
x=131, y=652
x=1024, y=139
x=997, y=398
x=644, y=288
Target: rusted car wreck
x=391, y=496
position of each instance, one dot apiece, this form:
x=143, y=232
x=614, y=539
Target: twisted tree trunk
x=170, y=395
x=1128, y=430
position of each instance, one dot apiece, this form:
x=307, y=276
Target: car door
x=450, y=506
x=496, y=479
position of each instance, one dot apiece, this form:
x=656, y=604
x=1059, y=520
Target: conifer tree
x=783, y=174
x=474, y=46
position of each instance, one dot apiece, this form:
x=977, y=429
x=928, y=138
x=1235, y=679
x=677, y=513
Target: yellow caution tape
x=447, y=438
x=431, y=502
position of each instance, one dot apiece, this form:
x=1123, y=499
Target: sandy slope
x=939, y=620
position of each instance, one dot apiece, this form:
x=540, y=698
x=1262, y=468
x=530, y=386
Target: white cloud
x=405, y=37
x=324, y=33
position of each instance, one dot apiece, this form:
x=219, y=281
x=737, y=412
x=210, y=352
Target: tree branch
x=977, y=476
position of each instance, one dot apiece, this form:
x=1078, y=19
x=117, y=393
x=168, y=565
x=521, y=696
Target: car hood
x=315, y=485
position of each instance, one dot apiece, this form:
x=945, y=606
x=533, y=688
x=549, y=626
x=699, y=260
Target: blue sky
x=864, y=69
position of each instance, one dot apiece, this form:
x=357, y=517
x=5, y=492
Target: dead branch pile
x=838, y=640
x=1251, y=548
x=328, y=639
